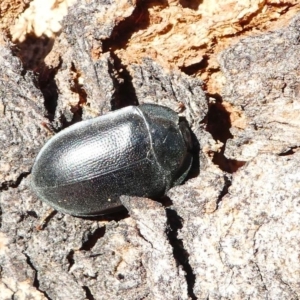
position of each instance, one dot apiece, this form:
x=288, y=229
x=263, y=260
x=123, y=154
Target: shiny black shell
x=137, y=151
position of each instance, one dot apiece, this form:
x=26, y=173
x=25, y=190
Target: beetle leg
x=45, y=219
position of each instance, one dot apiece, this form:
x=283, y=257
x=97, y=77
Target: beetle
x=135, y=151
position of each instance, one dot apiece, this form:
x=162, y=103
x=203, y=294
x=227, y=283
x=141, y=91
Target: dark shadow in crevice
x=291, y=151
x=88, y=293
x=13, y=184
x=92, y=238
x=225, y=189
x=218, y=125
x=218, y=120
x=180, y=254
x=192, y=4
x=125, y=92
x=70, y=259
x=49, y=89
x=32, y=213
x=35, y=283
x=33, y=50
x=165, y=201
x=194, y=68
x=117, y=216
x=139, y=19
x=225, y=164
x=195, y=151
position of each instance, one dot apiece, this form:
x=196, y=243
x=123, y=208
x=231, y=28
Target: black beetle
x=136, y=151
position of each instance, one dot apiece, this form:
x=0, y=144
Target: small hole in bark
x=218, y=125
x=120, y=276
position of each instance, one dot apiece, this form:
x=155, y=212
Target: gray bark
x=219, y=235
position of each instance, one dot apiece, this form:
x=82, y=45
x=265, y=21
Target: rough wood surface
x=231, y=231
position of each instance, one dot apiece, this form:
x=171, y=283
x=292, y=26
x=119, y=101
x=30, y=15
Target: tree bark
x=230, y=231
